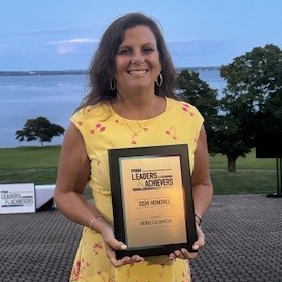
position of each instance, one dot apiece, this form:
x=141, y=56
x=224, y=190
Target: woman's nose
x=137, y=58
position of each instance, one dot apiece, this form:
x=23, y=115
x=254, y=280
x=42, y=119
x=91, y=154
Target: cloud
x=64, y=50
x=2, y=47
x=199, y=41
x=74, y=41
x=200, y=46
x=47, y=32
x=201, y=52
x=60, y=31
x=185, y=40
x=73, y=46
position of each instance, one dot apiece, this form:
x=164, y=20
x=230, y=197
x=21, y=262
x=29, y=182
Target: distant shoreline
x=80, y=72
x=41, y=72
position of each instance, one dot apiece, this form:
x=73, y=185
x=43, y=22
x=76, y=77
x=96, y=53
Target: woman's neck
x=138, y=106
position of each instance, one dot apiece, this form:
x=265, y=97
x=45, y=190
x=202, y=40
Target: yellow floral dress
x=103, y=129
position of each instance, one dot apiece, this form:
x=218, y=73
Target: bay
x=52, y=96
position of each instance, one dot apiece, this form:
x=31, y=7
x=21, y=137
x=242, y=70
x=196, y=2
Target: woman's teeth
x=137, y=72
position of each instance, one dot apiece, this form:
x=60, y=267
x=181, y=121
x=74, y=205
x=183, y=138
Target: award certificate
x=152, y=201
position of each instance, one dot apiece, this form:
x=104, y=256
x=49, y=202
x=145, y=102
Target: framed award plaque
x=152, y=199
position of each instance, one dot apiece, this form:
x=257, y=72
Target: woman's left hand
x=184, y=254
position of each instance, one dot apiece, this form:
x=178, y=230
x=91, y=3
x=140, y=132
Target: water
x=213, y=78
x=54, y=97
x=26, y=97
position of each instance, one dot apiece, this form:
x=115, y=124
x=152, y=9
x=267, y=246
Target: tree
x=39, y=129
x=252, y=102
x=198, y=93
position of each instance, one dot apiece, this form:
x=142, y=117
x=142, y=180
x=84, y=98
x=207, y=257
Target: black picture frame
x=115, y=155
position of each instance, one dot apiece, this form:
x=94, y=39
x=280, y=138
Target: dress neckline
x=167, y=106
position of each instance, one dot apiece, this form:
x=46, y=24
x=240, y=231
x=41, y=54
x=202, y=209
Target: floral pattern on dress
x=99, y=127
x=197, y=137
x=163, y=265
x=97, y=246
x=186, y=275
x=78, y=269
x=135, y=134
x=103, y=276
x=187, y=108
x=78, y=122
x=172, y=132
x=97, y=165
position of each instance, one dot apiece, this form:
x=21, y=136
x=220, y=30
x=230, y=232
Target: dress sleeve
x=79, y=120
x=198, y=122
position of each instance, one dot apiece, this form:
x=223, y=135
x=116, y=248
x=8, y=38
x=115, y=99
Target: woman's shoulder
x=183, y=107
x=100, y=110
x=85, y=117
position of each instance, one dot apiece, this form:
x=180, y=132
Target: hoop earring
x=113, y=84
x=159, y=80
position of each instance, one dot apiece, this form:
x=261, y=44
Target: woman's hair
x=103, y=66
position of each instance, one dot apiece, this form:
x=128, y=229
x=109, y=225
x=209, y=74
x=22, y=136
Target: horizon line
x=85, y=70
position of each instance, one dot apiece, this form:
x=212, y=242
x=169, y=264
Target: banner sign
x=17, y=198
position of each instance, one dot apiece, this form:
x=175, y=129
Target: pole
x=277, y=194
x=280, y=192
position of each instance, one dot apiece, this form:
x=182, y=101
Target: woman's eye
x=148, y=50
x=124, y=52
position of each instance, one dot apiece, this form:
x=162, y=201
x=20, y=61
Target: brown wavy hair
x=102, y=68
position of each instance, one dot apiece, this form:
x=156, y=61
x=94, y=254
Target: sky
x=63, y=34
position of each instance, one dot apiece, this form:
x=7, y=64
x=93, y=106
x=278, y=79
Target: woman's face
x=137, y=60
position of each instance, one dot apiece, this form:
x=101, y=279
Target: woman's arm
x=202, y=193
x=201, y=181
x=73, y=175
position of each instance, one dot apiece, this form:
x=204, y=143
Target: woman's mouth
x=138, y=72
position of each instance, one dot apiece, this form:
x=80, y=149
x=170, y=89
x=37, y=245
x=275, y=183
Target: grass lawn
x=29, y=164
x=219, y=161
x=244, y=181
x=39, y=165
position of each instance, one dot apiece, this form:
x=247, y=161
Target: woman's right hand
x=112, y=244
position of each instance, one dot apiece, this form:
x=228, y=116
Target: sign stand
x=268, y=145
x=277, y=194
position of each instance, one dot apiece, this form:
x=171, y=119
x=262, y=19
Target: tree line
x=251, y=103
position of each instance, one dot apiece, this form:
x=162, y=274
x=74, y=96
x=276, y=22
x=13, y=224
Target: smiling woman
x=103, y=67
x=137, y=61
x=131, y=104
x=137, y=68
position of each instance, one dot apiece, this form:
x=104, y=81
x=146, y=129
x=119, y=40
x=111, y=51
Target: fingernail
x=195, y=247
x=123, y=247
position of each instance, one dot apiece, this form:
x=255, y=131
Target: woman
x=131, y=104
